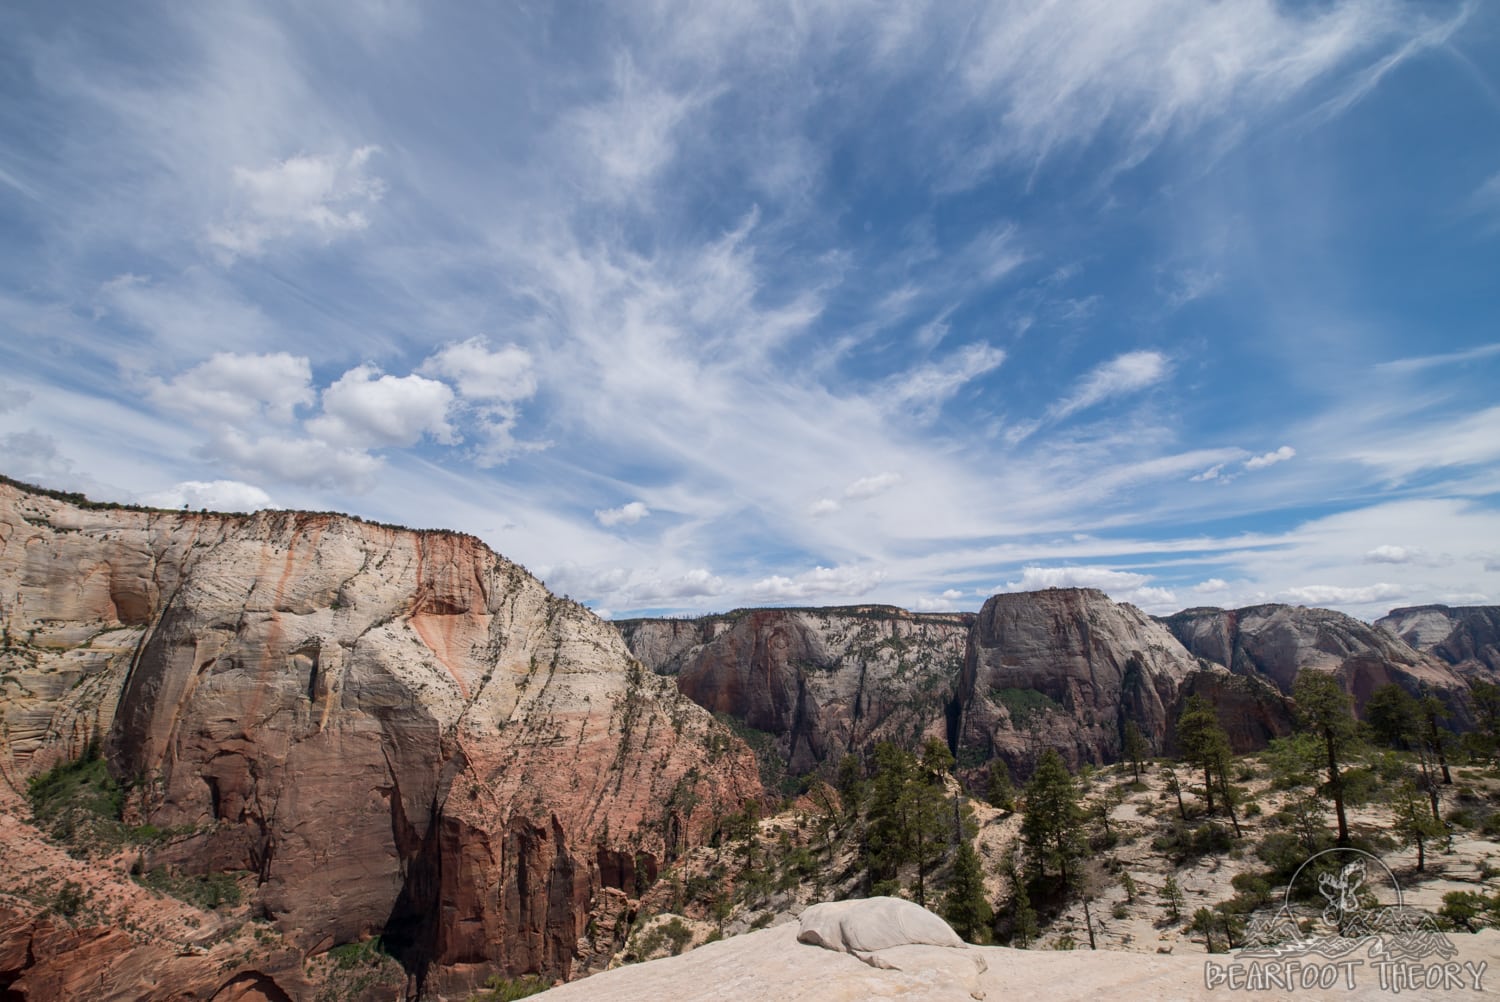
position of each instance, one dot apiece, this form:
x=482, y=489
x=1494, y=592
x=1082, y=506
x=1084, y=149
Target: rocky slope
x=1276, y=642
x=395, y=732
x=822, y=681
x=1466, y=637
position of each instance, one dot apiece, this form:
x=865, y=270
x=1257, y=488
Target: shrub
x=69, y=900
x=502, y=989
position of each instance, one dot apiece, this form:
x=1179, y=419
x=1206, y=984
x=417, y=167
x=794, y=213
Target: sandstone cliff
x=1276, y=642
x=1067, y=668
x=1062, y=667
x=1466, y=637
x=396, y=732
x=822, y=681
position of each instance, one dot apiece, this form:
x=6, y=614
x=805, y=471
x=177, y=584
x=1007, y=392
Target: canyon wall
x=398, y=733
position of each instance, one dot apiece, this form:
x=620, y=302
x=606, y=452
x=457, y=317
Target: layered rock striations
x=824, y=682
x=1064, y=668
x=396, y=732
x=1466, y=637
x=1276, y=642
x=1068, y=669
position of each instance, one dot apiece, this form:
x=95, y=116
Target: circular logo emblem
x=1341, y=893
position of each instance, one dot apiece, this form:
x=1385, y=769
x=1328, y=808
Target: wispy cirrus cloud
x=738, y=265
x=1121, y=375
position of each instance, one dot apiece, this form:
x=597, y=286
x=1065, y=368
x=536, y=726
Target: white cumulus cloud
x=238, y=388
x=215, y=495
x=1343, y=595
x=306, y=461
x=365, y=409
x=319, y=196
x=504, y=375
x=626, y=514
x=845, y=581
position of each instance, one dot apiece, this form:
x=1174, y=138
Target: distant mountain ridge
x=1070, y=664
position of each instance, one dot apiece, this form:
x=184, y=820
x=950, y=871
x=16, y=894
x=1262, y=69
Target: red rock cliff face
x=397, y=732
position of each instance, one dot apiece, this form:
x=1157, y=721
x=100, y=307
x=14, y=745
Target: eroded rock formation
x=1466, y=637
x=1063, y=668
x=822, y=681
x=397, y=732
x=1277, y=642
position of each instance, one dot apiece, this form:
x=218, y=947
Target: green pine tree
x=1323, y=708
x=965, y=906
x=1052, y=826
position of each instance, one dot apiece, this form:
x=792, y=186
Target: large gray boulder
x=869, y=925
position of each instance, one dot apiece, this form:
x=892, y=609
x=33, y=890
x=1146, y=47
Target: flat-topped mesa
x=1466, y=637
x=398, y=732
x=1277, y=642
x=1068, y=668
x=824, y=682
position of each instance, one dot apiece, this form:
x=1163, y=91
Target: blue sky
x=693, y=306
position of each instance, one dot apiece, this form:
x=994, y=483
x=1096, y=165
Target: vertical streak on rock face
x=822, y=681
x=399, y=732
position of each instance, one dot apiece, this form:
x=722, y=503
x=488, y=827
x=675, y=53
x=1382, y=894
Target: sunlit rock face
x=1063, y=668
x=1276, y=642
x=1067, y=669
x=398, y=732
x=1466, y=637
x=822, y=682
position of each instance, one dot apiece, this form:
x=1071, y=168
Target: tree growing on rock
x=1203, y=742
x=1137, y=750
x=1323, y=708
x=1052, y=825
x=965, y=906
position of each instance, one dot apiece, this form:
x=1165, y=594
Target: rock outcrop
x=397, y=732
x=1276, y=642
x=823, y=682
x=1067, y=668
x=868, y=925
x=1466, y=637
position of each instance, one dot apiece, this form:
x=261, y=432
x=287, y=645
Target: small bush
x=207, y=890
x=69, y=900
x=502, y=989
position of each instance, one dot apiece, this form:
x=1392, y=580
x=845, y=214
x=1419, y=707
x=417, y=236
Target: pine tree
x=1136, y=748
x=927, y=813
x=1323, y=708
x=965, y=906
x=888, y=825
x=1391, y=713
x=1171, y=896
x=1202, y=741
x=1413, y=825
x=999, y=791
x=850, y=782
x=1051, y=827
x=1431, y=711
x=1023, y=917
